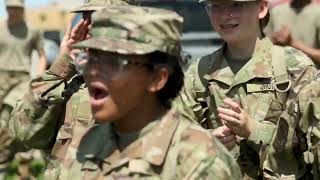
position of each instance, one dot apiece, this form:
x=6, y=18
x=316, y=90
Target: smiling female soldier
x=240, y=90
x=132, y=74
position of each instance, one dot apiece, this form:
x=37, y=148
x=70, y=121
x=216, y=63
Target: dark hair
x=264, y=22
x=175, y=81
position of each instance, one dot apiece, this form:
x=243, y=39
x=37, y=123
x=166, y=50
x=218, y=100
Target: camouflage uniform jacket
x=168, y=148
x=55, y=112
x=297, y=136
x=19, y=165
x=255, y=86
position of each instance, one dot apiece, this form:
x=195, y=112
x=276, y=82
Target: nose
x=226, y=12
x=90, y=71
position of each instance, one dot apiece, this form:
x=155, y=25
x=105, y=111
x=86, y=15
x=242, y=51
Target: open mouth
x=228, y=26
x=98, y=94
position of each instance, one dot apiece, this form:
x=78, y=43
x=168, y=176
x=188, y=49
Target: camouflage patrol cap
x=94, y=5
x=135, y=30
x=14, y=3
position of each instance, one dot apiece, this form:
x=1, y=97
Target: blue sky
x=29, y=3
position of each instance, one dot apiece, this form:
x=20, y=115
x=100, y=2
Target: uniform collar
x=259, y=66
x=151, y=146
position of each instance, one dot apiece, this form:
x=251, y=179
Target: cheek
x=214, y=21
x=125, y=95
x=129, y=92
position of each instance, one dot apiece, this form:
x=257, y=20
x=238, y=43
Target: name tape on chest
x=260, y=87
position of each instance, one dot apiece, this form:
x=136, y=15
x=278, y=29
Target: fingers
x=88, y=26
x=228, y=112
x=228, y=120
x=222, y=131
x=232, y=104
x=229, y=141
x=77, y=31
x=68, y=30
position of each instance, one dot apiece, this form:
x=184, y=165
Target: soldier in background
x=15, y=164
x=297, y=138
x=240, y=90
x=296, y=24
x=17, y=41
x=138, y=135
x=55, y=112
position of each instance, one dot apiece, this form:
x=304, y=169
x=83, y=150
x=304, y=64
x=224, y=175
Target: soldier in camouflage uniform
x=19, y=165
x=132, y=75
x=17, y=42
x=55, y=113
x=297, y=136
x=297, y=24
x=240, y=90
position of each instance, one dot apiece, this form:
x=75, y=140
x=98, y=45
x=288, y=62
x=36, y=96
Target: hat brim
x=117, y=46
x=86, y=8
x=15, y=5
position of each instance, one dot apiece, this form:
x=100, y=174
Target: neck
x=242, y=50
x=138, y=118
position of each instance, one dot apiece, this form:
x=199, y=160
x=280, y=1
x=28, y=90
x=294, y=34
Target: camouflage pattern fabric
x=12, y=88
x=209, y=80
x=26, y=165
x=53, y=111
x=19, y=165
x=297, y=137
x=134, y=30
x=168, y=148
x=94, y=5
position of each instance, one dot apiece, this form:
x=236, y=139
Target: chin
x=102, y=117
x=230, y=37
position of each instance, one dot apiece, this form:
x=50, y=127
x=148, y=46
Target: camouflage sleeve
x=36, y=117
x=203, y=157
x=186, y=101
x=309, y=124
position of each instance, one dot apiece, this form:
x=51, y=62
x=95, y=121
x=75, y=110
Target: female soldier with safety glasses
x=240, y=90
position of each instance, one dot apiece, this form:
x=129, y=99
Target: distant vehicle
x=198, y=38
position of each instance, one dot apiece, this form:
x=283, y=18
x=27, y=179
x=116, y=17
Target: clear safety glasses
x=113, y=63
x=232, y=7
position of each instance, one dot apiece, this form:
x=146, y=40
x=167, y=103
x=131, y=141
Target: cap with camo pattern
x=94, y=5
x=135, y=30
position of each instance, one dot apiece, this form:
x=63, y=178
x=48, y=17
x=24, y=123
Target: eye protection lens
x=114, y=64
x=233, y=7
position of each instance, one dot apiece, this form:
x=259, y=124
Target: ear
x=263, y=9
x=159, y=78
